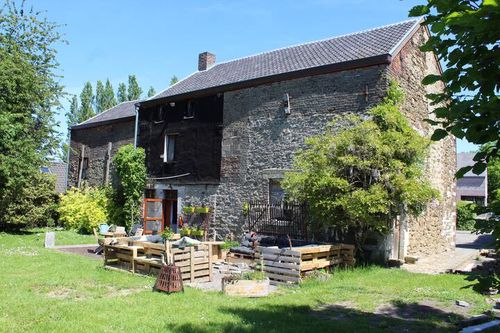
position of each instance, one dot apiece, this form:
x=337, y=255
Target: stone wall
x=434, y=230
x=259, y=140
x=96, y=141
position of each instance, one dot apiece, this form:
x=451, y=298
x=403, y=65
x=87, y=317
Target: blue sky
x=156, y=39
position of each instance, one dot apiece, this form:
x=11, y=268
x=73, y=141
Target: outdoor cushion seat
x=242, y=250
x=154, y=239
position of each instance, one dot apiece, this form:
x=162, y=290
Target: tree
x=465, y=37
x=122, y=93
x=29, y=91
x=73, y=116
x=493, y=177
x=359, y=176
x=173, y=80
x=99, y=97
x=134, y=91
x=130, y=168
x=86, y=102
x=109, y=99
x=151, y=92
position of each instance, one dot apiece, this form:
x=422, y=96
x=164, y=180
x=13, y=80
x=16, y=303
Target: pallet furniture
x=286, y=265
x=195, y=262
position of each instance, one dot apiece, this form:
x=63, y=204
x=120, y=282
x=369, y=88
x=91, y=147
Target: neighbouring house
x=471, y=187
x=94, y=142
x=226, y=134
x=60, y=171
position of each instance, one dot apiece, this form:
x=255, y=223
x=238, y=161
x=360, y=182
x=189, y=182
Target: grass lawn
x=42, y=290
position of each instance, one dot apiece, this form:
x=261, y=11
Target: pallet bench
x=284, y=266
x=195, y=262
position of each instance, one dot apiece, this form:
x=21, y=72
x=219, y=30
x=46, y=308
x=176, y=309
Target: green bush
x=83, y=209
x=466, y=215
x=32, y=203
x=129, y=183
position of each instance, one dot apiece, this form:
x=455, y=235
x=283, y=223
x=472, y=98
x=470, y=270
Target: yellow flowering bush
x=83, y=209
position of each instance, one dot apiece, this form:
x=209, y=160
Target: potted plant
x=167, y=234
x=224, y=248
x=188, y=210
x=202, y=210
x=248, y=284
x=186, y=231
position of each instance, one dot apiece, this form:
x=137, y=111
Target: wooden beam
x=80, y=169
x=108, y=163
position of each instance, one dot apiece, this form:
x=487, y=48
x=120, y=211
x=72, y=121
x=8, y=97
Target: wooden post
x=209, y=262
x=80, y=170
x=191, y=261
x=108, y=163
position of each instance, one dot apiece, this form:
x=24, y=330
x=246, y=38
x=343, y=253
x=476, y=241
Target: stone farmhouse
x=227, y=133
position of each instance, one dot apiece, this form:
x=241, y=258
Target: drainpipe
x=136, y=130
x=68, y=159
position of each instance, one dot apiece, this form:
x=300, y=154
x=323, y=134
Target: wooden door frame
x=146, y=219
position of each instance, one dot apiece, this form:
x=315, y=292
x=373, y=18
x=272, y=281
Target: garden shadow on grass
x=395, y=317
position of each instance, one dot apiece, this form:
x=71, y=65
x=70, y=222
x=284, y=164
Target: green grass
x=42, y=290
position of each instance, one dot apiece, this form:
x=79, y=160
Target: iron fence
x=278, y=219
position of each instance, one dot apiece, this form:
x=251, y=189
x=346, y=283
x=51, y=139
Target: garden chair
x=100, y=242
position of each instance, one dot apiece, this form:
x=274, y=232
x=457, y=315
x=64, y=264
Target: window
x=169, y=148
x=276, y=192
x=190, y=109
x=85, y=167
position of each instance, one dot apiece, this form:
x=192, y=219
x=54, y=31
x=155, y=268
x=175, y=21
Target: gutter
x=68, y=159
x=101, y=123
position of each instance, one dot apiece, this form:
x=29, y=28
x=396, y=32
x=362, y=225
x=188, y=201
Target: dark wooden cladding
x=197, y=127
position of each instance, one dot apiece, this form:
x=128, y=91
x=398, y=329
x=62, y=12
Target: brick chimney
x=205, y=61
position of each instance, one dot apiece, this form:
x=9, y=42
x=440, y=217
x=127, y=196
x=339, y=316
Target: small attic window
x=190, y=110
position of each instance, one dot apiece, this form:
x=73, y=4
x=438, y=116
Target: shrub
x=466, y=215
x=360, y=174
x=83, y=209
x=32, y=203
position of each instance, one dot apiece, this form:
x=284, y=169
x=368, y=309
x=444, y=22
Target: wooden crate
x=146, y=258
x=284, y=266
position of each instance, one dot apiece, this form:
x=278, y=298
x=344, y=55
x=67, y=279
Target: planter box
x=246, y=288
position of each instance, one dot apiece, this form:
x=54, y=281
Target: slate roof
x=380, y=41
x=467, y=159
x=60, y=170
x=119, y=111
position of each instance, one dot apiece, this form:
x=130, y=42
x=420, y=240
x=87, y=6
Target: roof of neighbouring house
x=365, y=47
x=467, y=159
x=119, y=111
x=60, y=170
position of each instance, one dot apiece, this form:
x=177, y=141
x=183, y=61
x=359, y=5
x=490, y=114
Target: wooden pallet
x=237, y=258
x=195, y=262
x=284, y=266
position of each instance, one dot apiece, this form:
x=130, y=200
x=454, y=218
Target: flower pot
x=188, y=210
x=202, y=210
